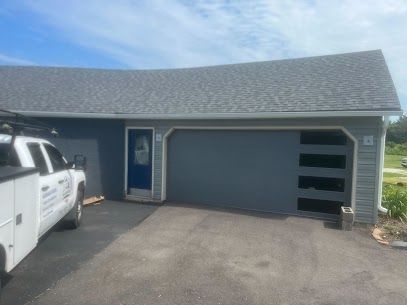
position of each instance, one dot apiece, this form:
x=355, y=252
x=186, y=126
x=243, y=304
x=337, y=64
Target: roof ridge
x=191, y=68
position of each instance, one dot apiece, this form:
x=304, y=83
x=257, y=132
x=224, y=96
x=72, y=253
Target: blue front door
x=139, y=162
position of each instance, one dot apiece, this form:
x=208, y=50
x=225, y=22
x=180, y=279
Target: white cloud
x=10, y=60
x=179, y=33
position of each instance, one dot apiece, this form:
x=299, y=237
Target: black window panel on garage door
x=320, y=160
x=319, y=206
x=321, y=183
x=323, y=138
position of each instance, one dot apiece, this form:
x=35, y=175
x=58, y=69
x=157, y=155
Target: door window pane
x=38, y=158
x=57, y=161
x=142, y=150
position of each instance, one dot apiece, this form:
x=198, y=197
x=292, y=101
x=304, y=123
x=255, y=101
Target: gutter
x=209, y=116
x=383, y=132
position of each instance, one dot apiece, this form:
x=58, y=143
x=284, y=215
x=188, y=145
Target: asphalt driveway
x=185, y=255
x=64, y=251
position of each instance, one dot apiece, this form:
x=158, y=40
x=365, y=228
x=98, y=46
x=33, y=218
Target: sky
x=151, y=34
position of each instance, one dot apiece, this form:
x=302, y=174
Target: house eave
x=215, y=116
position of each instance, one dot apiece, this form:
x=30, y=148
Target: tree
x=397, y=131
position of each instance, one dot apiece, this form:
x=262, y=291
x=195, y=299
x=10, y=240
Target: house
x=298, y=136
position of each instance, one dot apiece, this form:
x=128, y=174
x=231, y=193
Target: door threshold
x=141, y=199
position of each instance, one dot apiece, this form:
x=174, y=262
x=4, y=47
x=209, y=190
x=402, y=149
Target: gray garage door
x=281, y=171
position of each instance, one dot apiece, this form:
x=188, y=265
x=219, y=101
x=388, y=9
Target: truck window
x=38, y=158
x=5, y=159
x=57, y=161
x=4, y=149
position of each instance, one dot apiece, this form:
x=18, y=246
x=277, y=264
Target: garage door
x=279, y=171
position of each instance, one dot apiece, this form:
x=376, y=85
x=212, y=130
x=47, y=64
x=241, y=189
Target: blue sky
x=179, y=33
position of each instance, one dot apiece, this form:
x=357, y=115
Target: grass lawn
x=393, y=161
x=393, y=175
x=390, y=178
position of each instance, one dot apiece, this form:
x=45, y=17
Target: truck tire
x=73, y=219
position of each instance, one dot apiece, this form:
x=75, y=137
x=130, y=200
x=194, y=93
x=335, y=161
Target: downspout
x=385, y=124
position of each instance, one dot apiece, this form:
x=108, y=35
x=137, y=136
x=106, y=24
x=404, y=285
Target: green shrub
x=396, y=149
x=395, y=201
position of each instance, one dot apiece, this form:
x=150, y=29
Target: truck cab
x=39, y=188
x=60, y=183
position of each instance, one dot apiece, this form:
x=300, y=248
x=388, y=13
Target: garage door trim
x=299, y=128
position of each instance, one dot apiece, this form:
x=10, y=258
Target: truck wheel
x=74, y=217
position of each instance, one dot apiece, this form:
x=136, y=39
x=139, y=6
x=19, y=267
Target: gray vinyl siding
x=367, y=171
x=102, y=142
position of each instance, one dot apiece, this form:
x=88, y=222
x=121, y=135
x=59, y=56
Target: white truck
x=38, y=188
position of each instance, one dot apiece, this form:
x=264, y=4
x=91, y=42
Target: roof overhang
x=215, y=116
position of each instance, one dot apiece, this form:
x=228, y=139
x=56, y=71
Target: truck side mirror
x=80, y=162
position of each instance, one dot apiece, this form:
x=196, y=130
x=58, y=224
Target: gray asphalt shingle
x=344, y=82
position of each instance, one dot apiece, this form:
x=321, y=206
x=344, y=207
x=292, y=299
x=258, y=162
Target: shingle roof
x=345, y=82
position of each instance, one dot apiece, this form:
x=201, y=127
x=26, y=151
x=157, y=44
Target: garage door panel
x=247, y=169
x=261, y=170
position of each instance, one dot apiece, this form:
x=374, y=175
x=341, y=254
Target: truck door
x=63, y=178
x=49, y=196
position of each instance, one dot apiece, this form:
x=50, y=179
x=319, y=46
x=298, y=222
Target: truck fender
x=77, y=189
x=78, y=184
